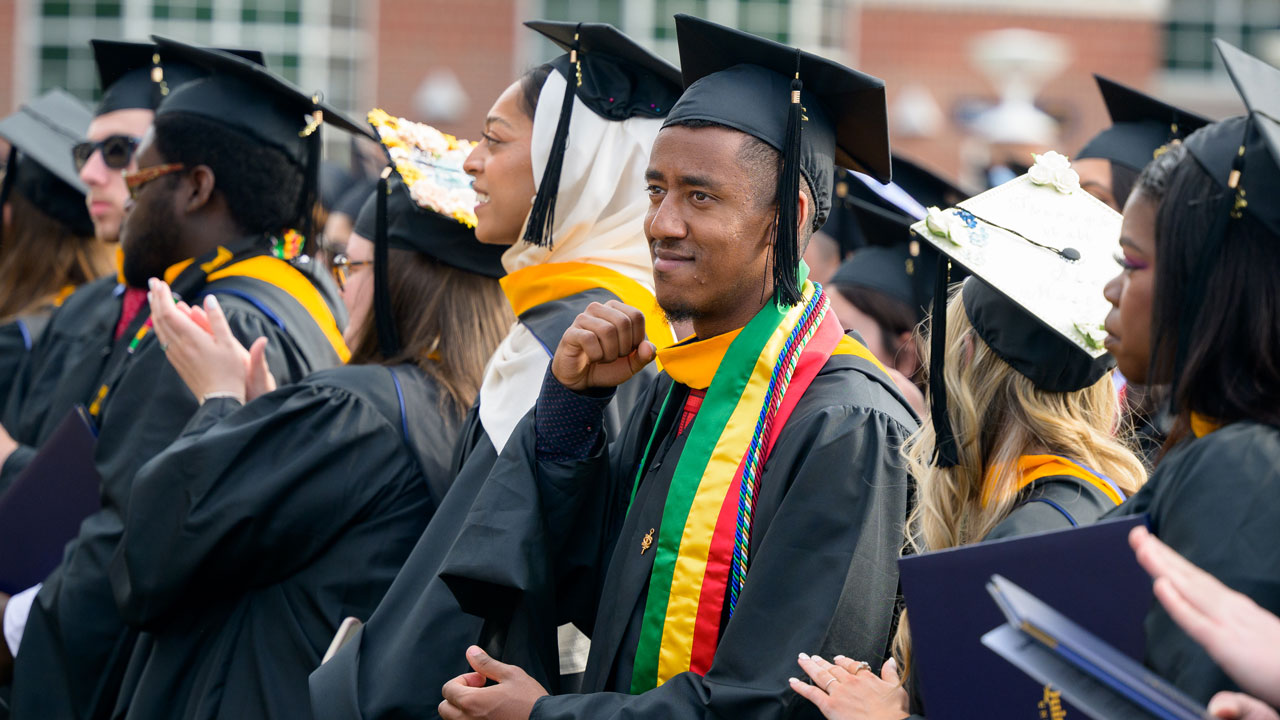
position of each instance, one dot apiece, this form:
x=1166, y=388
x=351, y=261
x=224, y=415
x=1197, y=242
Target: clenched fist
x=603, y=348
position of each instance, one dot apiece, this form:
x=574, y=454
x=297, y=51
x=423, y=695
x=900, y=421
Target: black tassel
x=388, y=337
x=10, y=174
x=945, y=454
x=786, y=250
x=310, y=193
x=542, y=217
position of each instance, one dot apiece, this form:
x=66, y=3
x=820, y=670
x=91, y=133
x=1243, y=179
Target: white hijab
x=599, y=220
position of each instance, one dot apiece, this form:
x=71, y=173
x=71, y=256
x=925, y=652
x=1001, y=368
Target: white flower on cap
x=1053, y=168
x=940, y=223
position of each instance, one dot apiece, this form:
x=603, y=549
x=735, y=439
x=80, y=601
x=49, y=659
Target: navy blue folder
x=1102, y=681
x=1091, y=575
x=43, y=508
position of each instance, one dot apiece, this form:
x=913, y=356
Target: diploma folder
x=1091, y=574
x=1100, y=680
x=42, y=511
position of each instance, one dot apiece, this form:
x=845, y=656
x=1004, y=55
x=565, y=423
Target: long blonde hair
x=997, y=416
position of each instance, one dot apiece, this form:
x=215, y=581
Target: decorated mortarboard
x=615, y=78
x=40, y=135
x=816, y=113
x=1140, y=126
x=135, y=75
x=246, y=97
x=1039, y=250
x=424, y=202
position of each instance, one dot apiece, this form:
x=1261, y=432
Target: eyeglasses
x=117, y=151
x=136, y=179
x=344, y=267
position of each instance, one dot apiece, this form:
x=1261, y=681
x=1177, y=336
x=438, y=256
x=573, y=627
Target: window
x=325, y=53
x=1253, y=25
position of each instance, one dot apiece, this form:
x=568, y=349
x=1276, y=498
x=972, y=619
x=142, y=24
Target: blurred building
x=444, y=61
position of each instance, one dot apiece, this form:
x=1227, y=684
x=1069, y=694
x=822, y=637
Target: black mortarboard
x=893, y=262
x=246, y=97
x=613, y=76
x=352, y=201
x=335, y=181
x=815, y=112
x=1140, y=125
x=1040, y=250
x=927, y=186
x=424, y=202
x=134, y=75
x=41, y=134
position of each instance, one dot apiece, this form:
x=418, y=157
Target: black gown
x=61, y=369
x=1214, y=499
x=16, y=339
x=292, y=513
x=417, y=638
x=76, y=645
x=824, y=546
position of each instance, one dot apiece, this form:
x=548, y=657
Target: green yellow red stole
x=701, y=554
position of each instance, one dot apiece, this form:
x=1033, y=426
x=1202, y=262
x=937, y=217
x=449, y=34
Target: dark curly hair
x=261, y=184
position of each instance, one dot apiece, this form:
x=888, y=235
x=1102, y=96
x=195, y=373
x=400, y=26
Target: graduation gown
x=76, y=645
x=827, y=533
x=16, y=339
x=1213, y=499
x=292, y=513
x=1056, y=502
x=417, y=638
x=61, y=369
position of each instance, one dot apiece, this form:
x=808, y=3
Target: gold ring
x=828, y=685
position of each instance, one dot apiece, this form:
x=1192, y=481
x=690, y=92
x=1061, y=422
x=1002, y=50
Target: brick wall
x=476, y=39
x=931, y=47
x=8, y=20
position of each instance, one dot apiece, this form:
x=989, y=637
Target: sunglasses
x=117, y=151
x=344, y=267
x=136, y=179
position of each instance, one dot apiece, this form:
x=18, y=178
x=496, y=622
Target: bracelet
x=218, y=394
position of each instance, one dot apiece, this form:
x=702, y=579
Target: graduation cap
x=1039, y=250
x=246, y=97
x=816, y=113
x=424, y=202
x=893, y=263
x=1140, y=126
x=135, y=75
x=40, y=135
x=615, y=78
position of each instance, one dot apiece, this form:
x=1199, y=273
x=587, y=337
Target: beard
x=678, y=313
x=149, y=242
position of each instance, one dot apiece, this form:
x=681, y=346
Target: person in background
x=321, y=535
x=1109, y=165
x=579, y=151
x=47, y=246
x=1192, y=308
x=221, y=177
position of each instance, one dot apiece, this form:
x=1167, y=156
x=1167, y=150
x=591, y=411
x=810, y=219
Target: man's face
x=708, y=230
x=149, y=235
x=107, y=194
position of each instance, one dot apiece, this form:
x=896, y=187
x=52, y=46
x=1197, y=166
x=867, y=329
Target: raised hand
x=603, y=348
x=199, y=344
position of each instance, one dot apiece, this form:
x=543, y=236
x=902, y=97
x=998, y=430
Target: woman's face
x=1095, y=179
x=502, y=169
x=1130, y=293
x=357, y=291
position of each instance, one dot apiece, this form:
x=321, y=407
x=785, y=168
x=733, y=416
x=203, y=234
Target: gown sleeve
x=250, y=498
x=822, y=577
x=1216, y=505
